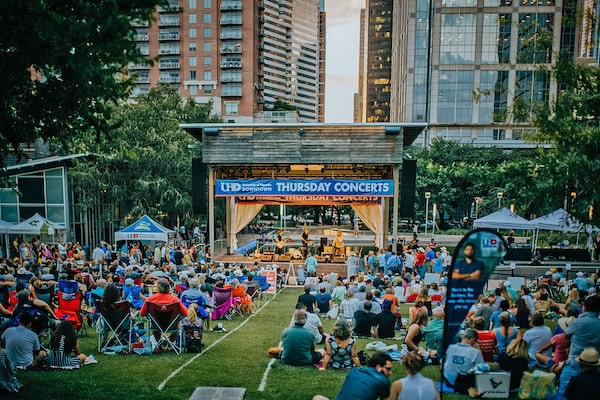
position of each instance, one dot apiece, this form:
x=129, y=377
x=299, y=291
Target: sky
x=341, y=82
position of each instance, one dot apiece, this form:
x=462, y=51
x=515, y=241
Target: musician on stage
x=306, y=242
x=338, y=243
x=279, y=248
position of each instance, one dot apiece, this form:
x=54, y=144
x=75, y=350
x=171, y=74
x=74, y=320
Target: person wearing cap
x=583, y=333
x=133, y=293
x=461, y=358
x=420, y=259
x=591, y=292
x=585, y=385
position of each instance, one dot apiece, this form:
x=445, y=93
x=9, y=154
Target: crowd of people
x=30, y=284
x=507, y=327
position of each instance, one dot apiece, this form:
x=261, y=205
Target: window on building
x=207, y=32
x=231, y=107
x=455, y=96
x=207, y=61
x=458, y=33
x=193, y=61
x=193, y=33
x=207, y=18
x=192, y=4
x=193, y=90
x=207, y=89
x=192, y=18
x=207, y=4
x=192, y=75
x=192, y=46
x=207, y=75
x=207, y=47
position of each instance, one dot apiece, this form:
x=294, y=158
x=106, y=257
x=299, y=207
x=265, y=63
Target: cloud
x=340, y=12
x=341, y=80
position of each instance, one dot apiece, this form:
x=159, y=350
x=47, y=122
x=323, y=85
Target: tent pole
x=211, y=210
x=396, y=177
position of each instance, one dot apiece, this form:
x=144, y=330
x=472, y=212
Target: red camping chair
x=69, y=309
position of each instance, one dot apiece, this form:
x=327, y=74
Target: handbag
x=537, y=385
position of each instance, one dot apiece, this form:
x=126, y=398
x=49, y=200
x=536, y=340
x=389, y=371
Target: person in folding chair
x=115, y=316
x=165, y=312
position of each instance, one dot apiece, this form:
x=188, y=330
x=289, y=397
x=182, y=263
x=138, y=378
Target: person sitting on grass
x=414, y=386
x=369, y=383
x=515, y=360
x=386, y=321
x=22, y=344
x=299, y=343
x=364, y=320
x=460, y=359
x=340, y=347
x=324, y=302
x=63, y=342
x=414, y=334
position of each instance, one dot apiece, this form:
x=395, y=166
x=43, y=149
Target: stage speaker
x=199, y=187
x=407, y=189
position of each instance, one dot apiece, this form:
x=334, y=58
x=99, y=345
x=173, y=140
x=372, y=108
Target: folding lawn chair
x=255, y=295
x=69, y=309
x=114, y=325
x=46, y=294
x=68, y=287
x=165, y=322
x=223, y=303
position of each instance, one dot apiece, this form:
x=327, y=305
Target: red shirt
x=163, y=299
x=487, y=344
x=419, y=259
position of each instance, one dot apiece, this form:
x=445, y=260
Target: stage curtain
x=372, y=217
x=240, y=215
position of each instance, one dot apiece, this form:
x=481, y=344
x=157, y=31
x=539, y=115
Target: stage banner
x=299, y=187
x=474, y=260
x=308, y=200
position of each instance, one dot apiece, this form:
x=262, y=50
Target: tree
x=145, y=168
x=62, y=64
x=572, y=125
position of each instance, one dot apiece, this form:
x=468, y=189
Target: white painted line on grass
x=263, y=382
x=191, y=360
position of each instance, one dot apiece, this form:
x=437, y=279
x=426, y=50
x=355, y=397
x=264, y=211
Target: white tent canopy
x=559, y=221
x=145, y=228
x=5, y=227
x=503, y=219
x=36, y=225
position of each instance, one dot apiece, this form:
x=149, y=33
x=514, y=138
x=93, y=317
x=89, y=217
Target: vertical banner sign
x=474, y=260
x=271, y=275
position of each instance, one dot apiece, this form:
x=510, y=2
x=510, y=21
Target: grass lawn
x=235, y=358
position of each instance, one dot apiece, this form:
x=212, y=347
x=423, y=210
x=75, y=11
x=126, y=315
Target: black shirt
x=363, y=322
x=309, y=300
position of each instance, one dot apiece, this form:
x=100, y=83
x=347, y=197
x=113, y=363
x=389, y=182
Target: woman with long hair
x=414, y=386
x=522, y=314
x=414, y=335
x=340, y=347
x=506, y=332
x=515, y=360
x=63, y=343
x=112, y=295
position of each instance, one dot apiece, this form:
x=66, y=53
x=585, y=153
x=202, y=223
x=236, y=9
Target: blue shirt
x=311, y=264
x=584, y=333
x=364, y=384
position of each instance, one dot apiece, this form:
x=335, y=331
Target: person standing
x=414, y=386
x=352, y=267
x=311, y=265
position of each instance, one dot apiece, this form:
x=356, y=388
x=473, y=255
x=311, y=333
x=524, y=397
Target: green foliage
x=58, y=65
x=572, y=125
x=281, y=105
x=145, y=168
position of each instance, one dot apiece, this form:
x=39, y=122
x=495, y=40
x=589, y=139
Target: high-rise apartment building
x=242, y=55
x=375, y=61
x=474, y=70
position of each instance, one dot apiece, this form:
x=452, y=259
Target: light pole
x=573, y=196
x=433, y=227
x=478, y=200
x=500, y=195
x=427, y=196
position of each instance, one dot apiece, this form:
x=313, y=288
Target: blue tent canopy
x=145, y=228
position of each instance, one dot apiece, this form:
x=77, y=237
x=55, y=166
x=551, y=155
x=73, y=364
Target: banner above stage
x=299, y=187
x=309, y=200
